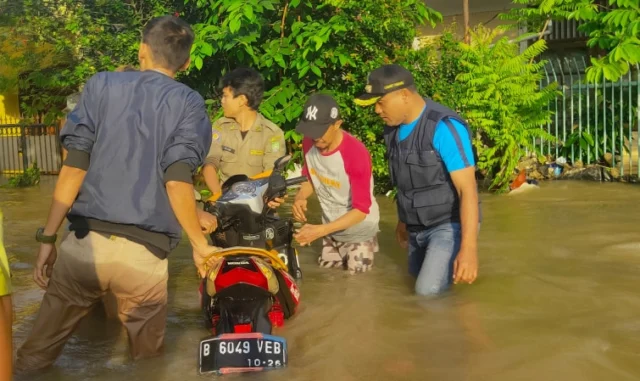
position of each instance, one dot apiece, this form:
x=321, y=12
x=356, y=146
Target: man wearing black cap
x=339, y=170
x=431, y=163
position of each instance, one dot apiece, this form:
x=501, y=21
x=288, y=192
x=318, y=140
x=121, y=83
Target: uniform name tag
x=256, y=152
x=228, y=149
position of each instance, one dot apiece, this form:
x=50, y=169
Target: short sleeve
x=453, y=143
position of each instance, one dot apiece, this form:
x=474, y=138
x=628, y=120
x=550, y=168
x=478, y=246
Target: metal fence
x=23, y=145
x=594, y=123
x=565, y=31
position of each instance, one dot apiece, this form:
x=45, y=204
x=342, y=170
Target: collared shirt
x=132, y=132
x=255, y=152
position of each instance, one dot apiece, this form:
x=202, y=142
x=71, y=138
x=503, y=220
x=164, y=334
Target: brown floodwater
x=557, y=299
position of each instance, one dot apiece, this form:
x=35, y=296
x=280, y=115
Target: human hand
x=465, y=267
x=299, y=209
x=208, y=222
x=204, y=258
x=309, y=233
x=402, y=236
x=47, y=255
x=276, y=202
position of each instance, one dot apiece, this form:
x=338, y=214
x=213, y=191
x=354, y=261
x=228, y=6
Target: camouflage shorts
x=357, y=257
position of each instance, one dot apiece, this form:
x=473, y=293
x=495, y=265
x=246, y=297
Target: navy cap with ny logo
x=318, y=114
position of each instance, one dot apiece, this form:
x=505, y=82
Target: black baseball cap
x=384, y=80
x=319, y=113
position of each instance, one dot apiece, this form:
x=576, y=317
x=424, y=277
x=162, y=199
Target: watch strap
x=42, y=238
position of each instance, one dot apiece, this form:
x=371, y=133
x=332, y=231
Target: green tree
x=302, y=46
x=614, y=27
x=84, y=36
x=504, y=103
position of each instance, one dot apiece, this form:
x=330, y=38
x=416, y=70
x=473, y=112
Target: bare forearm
x=469, y=218
x=66, y=191
x=305, y=191
x=210, y=174
x=349, y=219
x=184, y=207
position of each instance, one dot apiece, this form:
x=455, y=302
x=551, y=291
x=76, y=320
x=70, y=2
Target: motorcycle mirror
x=232, y=180
x=282, y=162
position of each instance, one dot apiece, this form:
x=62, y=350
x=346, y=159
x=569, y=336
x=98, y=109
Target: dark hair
x=170, y=40
x=247, y=82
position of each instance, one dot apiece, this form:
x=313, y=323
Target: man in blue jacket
x=134, y=140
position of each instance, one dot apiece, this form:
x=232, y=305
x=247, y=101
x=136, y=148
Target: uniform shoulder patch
x=275, y=145
x=215, y=135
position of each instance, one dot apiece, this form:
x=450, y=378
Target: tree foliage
x=81, y=38
x=304, y=46
x=613, y=27
x=300, y=47
x=504, y=103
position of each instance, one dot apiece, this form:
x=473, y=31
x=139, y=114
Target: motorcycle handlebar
x=296, y=180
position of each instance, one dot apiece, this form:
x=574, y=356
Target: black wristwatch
x=40, y=237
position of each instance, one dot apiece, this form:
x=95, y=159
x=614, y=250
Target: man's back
x=135, y=126
x=134, y=139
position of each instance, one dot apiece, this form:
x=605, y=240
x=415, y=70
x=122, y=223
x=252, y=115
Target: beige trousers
x=86, y=269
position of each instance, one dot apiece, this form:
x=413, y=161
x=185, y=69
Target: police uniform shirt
x=248, y=153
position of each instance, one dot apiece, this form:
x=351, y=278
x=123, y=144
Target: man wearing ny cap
x=338, y=167
x=432, y=165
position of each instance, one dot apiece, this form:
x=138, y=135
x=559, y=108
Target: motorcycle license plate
x=242, y=352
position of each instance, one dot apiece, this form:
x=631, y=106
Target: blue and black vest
x=426, y=195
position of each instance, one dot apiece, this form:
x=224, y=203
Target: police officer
x=432, y=165
x=243, y=141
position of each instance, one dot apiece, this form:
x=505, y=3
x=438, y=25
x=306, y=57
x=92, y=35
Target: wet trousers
x=85, y=270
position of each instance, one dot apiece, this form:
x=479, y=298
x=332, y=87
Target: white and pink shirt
x=343, y=180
